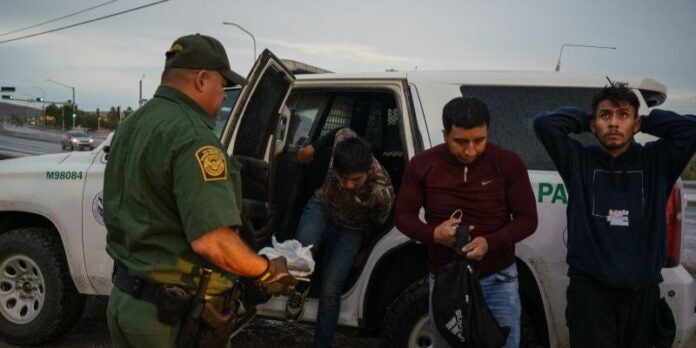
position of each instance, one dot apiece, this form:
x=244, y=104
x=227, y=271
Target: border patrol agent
x=172, y=200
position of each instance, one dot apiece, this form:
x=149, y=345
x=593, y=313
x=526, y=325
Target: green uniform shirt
x=167, y=182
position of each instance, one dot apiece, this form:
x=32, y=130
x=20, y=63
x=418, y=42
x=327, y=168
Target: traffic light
x=39, y=99
x=74, y=115
x=5, y=96
x=7, y=89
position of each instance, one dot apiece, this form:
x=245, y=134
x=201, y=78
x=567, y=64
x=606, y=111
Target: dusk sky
x=105, y=59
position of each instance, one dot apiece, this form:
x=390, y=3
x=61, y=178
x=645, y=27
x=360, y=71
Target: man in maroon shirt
x=491, y=186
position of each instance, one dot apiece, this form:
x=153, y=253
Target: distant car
x=77, y=140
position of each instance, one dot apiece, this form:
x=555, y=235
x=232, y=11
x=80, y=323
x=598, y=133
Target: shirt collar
x=455, y=161
x=633, y=147
x=179, y=97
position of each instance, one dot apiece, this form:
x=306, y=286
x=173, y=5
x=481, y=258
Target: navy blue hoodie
x=616, y=207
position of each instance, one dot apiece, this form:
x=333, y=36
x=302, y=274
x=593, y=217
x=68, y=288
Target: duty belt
x=136, y=287
x=150, y=292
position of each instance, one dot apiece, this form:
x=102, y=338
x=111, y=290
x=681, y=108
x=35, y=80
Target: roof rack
x=299, y=68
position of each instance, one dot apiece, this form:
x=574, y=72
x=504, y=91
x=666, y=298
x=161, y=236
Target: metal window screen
x=392, y=136
x=259, y=119
x=339, y=116
x=375, y=124
x=513, y=109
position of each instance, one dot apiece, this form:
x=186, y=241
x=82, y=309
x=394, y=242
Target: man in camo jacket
x=356, y=196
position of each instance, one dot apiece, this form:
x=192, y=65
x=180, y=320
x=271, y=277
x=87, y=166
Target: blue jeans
x=500, y=292
x=338, y=246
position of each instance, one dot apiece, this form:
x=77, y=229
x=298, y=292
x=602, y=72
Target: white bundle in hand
x=300, y=260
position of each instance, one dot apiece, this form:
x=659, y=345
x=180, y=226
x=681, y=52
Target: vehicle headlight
x=74, y=140
x=91, y=140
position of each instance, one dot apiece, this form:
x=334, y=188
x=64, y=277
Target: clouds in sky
x=106, y=59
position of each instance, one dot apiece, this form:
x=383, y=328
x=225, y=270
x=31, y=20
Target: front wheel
x=407, y=323
x=38, y=300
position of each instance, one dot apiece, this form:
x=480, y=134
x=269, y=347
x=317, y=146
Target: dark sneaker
x=295, y=305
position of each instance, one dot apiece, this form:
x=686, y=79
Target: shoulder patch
x=212, y=163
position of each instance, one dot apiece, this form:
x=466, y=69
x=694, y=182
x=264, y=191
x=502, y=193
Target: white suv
x=43, y=236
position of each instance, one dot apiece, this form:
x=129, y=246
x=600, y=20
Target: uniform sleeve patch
x=212, y=163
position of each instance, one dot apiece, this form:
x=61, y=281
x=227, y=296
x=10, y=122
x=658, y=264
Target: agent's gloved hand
x=276, y=280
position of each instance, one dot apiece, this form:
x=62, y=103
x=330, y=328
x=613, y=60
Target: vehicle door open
x=249, y=137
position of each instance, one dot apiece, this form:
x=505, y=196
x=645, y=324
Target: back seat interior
x=372, y=114
x=375, y=118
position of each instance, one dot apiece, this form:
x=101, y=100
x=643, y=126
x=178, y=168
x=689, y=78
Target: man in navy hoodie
x=490, y=185
x=616, y=213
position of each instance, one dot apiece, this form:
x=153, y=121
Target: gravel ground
x=92, y=332
x=272, y=333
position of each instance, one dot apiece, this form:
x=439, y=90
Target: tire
x=407, y=323
x=533, y=329
x=527, y=331
x=48, y=304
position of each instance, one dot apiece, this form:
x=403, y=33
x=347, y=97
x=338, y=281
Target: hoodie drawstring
x=623, y=176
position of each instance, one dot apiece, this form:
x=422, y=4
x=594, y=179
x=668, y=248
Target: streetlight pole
x=33, y=114
x=140, y=95
x=43, y=105
x=558, y=64
x=246, y=31
x=74, y=102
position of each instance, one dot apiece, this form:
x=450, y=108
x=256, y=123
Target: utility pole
x=43, y=105
x=26, y=110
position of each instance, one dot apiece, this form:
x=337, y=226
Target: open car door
x=249, y=137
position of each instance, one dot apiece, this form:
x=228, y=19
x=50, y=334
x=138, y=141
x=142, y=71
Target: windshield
x=225, y=110
x=78, y=134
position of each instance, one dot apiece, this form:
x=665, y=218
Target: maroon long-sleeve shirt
x=493, y=192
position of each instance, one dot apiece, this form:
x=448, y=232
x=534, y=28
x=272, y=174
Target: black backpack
x=460, y=312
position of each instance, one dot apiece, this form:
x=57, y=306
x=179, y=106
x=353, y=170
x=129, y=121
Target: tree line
x=58, y=115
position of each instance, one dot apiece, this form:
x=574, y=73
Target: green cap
x=202, y=52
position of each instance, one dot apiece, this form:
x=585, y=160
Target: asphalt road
x=91, y=331
x=688, y=257
x=13, y=146
x=24, y=141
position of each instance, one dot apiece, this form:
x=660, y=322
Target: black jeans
x=599, y=316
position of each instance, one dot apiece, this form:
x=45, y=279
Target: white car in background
x=76, y=139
